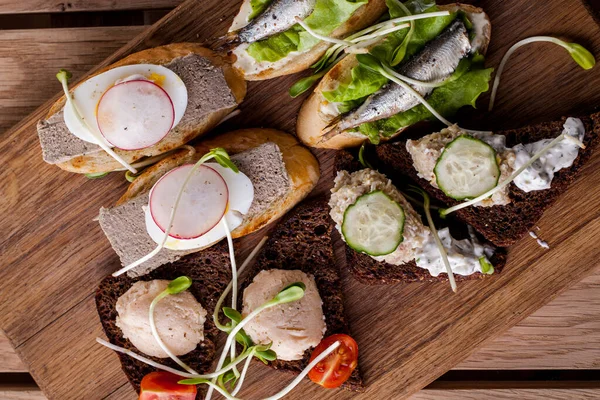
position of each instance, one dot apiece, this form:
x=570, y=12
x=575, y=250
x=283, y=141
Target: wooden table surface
x=563, y=336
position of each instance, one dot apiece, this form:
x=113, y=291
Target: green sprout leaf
x=193, y=381
x=486, y=267
x=361, y=157
x=63, y=75
x=96, y=175
x=581, y=55
x=266, y=356
x=291, y=293
x=242, y=338
x=179, y=285
x=228, y=377
x=298, y=284
x=304, y=84
x=232, y=314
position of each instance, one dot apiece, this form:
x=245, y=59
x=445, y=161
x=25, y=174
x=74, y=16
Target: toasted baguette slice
x=363, y=17
x=99, y=161
x=311, y=121
x=504, y=225
x=372, y=272
x=125, y=227
x=302, y=241
x=210, y=272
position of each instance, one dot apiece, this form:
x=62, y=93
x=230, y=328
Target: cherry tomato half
x=163, y=385
x=337, y=367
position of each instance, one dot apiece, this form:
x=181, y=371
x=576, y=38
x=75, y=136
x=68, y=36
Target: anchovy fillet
x=279, y=16
x=436, y=62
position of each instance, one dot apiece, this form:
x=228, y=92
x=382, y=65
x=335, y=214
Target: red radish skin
x=204, y=200
x=135, y=114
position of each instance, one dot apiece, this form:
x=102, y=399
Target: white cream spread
x=293, y=327
x=426, y=151
x=250, y=66
x=463, y=255
x=539, y=175
x=349, y=187
x=241, y=19
x=179, y=319
x=480, y=24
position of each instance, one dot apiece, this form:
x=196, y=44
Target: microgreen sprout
x=219, y=155
x=486, y=267
x=63, y=77
x=179, y=285
x=374, y=64
x=578, y=53
x=436, y=237
x=501, y=185
x=357, y=43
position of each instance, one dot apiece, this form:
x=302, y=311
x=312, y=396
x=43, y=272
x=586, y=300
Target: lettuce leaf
x=326, y=17
x=446, y=100
x=258, y=6
x=364, y=82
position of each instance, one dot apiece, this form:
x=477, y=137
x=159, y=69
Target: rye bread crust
x=302, y=240
x=504, y=225
x=372, y=272
x=210, y=272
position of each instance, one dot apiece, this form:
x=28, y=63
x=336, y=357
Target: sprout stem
x=62, y=77
x=570, y=47
x=240, y=381
x=512, y=176
x=162, y=345
x=441, y=248
x=304, y=372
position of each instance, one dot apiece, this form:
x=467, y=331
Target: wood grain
x=39, y=6
x=55, y=254
x=499, y=394
x=31, y=58
x=9, y=361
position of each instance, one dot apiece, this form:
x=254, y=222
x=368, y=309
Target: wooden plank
x=9, y=361
x=42, y=6
x=50, y=228
x=500, y=394
x=564, y=334
x=29, y=59
x=21, y=394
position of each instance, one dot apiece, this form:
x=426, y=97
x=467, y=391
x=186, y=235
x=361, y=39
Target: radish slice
x=135, y=114
x=202, y=205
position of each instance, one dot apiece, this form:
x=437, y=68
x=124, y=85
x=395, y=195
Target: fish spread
x=279, y=16
x=435, y=63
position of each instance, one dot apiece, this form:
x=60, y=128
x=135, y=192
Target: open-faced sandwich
x=424, y=51
x=386, y=238
x=500, y=183
x=195, y=197
x=128, y=114
x=277, y=37
x=164, y=325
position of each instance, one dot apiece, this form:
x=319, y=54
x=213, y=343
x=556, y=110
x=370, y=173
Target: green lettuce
x=446, y=100
x=258, y=6
x=326, y=17
x=396, y=47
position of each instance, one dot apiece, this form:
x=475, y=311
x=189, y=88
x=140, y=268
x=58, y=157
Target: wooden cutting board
x=53, y=254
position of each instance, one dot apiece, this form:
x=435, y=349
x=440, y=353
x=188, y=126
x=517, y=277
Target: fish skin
x=278, y=17
x=450, y=46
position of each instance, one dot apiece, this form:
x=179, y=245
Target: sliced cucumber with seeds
x=374, y=224
x=467, y=168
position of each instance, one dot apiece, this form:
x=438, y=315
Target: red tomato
x=162, y=385
x=337, y=367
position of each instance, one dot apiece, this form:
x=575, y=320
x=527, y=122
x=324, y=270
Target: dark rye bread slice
x=302, y=241
x=504, y=225
x=210, y=272
x=372, y=272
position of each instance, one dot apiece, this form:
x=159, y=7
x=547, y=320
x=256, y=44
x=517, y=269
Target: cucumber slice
x=467, y=168
x=374, y=224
